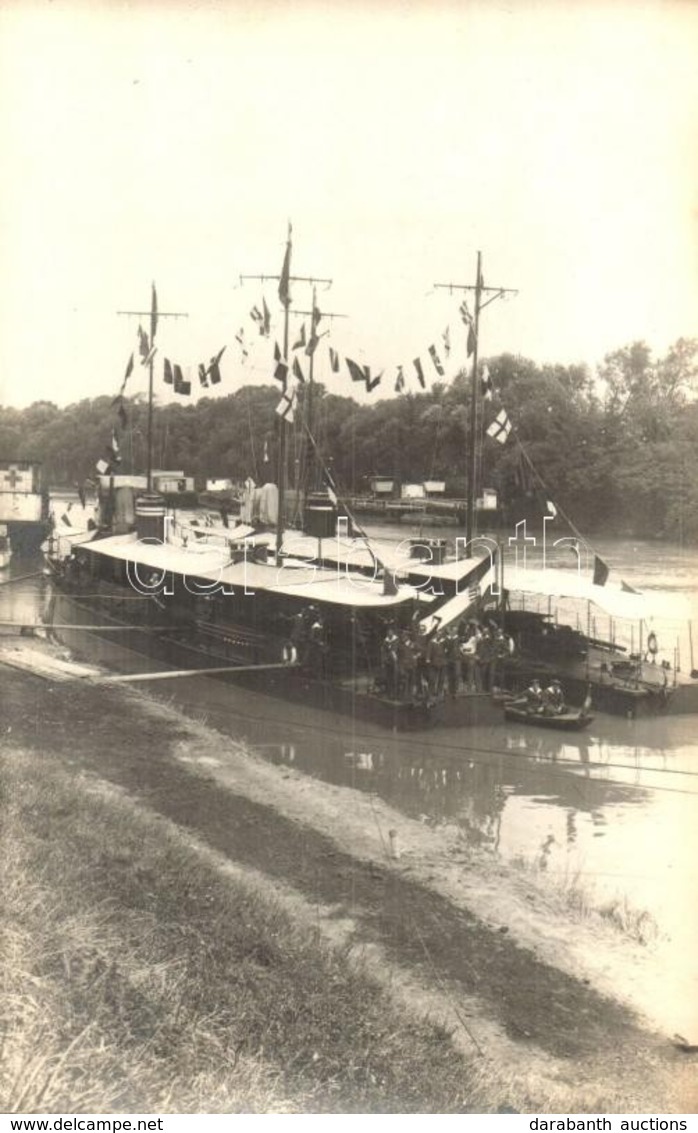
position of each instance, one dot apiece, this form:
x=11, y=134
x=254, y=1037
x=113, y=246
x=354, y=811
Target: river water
x=612, y=811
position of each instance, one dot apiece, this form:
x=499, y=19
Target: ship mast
x=474, y=325
x=284, y=295
x=154, y=315
x=304, y=477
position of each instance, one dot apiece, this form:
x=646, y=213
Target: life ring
x=652, y=643
x=289, y=653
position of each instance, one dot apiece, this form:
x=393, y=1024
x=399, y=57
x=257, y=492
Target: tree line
x=616, y=449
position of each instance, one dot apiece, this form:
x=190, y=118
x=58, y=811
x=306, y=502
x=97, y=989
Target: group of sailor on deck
x=420, y=665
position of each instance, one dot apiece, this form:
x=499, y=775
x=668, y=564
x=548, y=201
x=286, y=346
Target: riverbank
x=242, y=937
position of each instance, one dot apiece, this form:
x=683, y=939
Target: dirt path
x=451, y=933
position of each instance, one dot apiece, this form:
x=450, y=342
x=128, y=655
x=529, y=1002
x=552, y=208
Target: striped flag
x=287, y=405
x=500, y=428
x=437, y=361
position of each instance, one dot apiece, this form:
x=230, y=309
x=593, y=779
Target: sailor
x=317, y=645
x=421, y=648
x=485, y=654
x=436, y=660
x=534, y=696
x=451, y=650
x=553, y=699
x=468, y=654
x=503, y=648
x=389, y=661
x=407, y=665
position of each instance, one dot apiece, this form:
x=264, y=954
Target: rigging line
x=575, y=530
x=330, y=479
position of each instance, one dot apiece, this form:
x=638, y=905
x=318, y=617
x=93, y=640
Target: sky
x=173, y=142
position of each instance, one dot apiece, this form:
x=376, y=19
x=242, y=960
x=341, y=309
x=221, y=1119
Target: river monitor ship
x=310, y=624
x=324, y=613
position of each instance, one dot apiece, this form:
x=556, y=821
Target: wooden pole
x=167, y=673
x=470, y=516
x=281, y=476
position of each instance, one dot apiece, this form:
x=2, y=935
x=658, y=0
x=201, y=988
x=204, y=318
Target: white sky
x=172, y=142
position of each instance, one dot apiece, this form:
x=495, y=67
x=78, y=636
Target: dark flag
x=143, y=344
x=371, y=383
x=121, y=410
x=297, y=372
x=129, y=371
x=358, y=373
x=65, y=519
x=472, y=340
x=154, y=312
x=627, y=587
x=203, y=375
x=601, y=571
x=437, y=361
x=420, y=373
x=300, y=341
x=214, y=369
x=285, y=278
x=399, y=381
x=81, y=495
x=334, y=361
x=180, y=386
x=281, y=367
x=266, y=319
x=167, y=372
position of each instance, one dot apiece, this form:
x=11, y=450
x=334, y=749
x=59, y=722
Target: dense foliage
x=616, y=450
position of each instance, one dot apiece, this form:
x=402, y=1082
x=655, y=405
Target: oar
x=166, y=673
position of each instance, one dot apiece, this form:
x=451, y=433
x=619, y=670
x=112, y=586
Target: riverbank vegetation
x=138, y=977
x=618, y=449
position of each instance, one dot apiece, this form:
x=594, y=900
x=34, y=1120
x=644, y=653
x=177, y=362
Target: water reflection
x=618, y=803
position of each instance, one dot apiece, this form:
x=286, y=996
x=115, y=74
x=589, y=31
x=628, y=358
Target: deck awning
x=612, y=600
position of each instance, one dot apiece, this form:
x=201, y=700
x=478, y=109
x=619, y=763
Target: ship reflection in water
x=616, y=806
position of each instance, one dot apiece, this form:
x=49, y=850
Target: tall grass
x=137, y=977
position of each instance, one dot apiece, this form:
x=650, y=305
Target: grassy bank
x=137, y=977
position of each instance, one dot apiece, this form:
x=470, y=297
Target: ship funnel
x=150, y=518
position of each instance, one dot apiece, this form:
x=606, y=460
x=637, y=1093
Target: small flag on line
x=420, y=373
x=601, y=571
x=437, y=361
